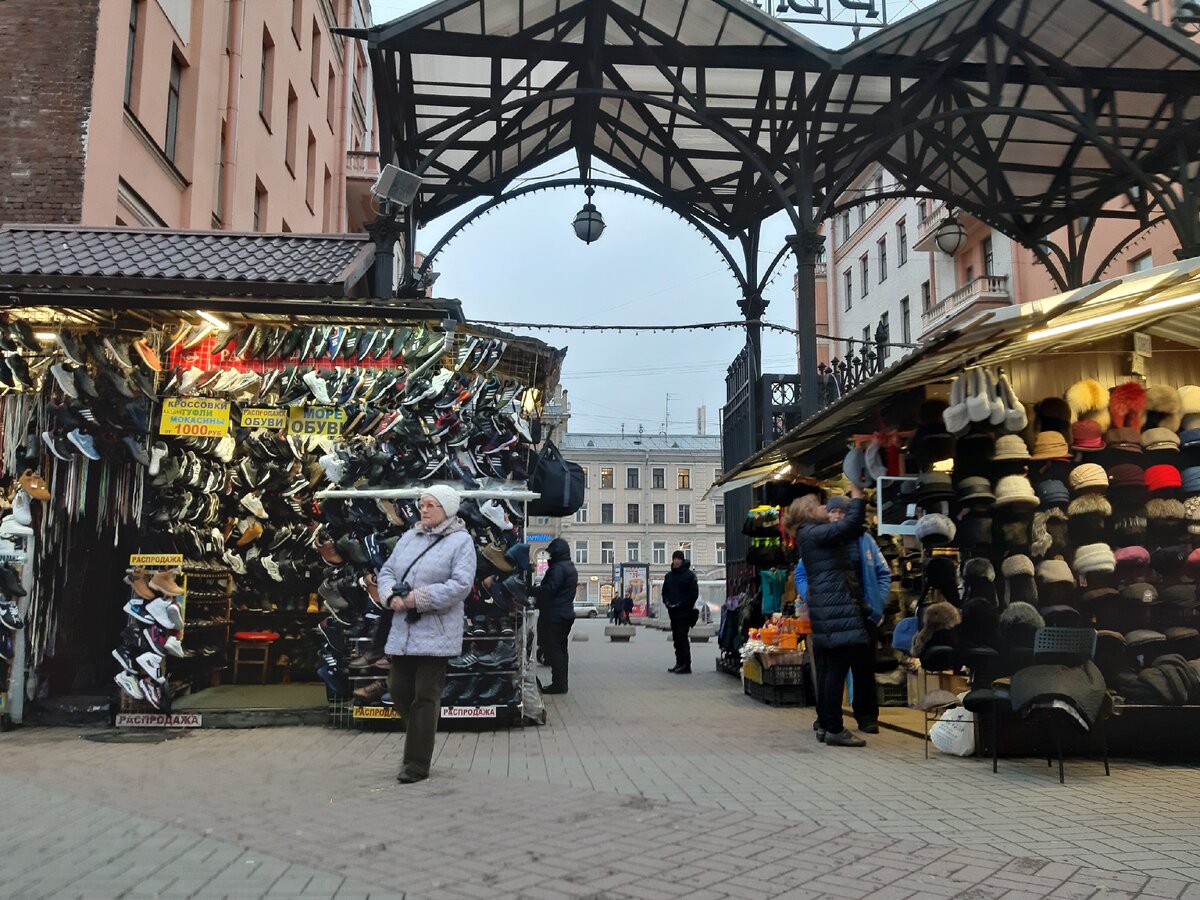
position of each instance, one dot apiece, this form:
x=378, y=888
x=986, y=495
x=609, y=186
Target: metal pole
x=807, y=248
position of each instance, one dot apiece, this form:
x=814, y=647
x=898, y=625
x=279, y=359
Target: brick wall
x=47, y=53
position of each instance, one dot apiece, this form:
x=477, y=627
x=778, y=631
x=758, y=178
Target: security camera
x=396, y=185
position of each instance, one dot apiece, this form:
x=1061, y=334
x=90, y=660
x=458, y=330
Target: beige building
x=644, y=501
x=244, y=115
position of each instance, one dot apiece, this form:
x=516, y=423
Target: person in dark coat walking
x=679, y=593
x=841, y=640
x=556, y=612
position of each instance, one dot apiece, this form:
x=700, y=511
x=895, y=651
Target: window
x=173, y=107
x=606, y=513
x=330, y=98
x=988, y=259
x=633, y=514
x=314, y=69
x=608, y=555
x=686, y=547
x=327, y=208
x=845, y=227
x=970, y=275
x=862, y=214
x=882, y=245
x=866, y=339
x=720, y=548
x=285, y=227
x=581, y=552
x=864, y=272
x=901, y=243
x=905, y=326
x=719, y=514
x=266, y=78
x=310, y=189
x=685, y=514
x=925, y=297
x=260, y=206
x=884, y=329
x=922, y=210
x=659, y=553
x=581, y=514
x=848, y=286
x=633, y=551
x=585, y=474
x=684, y=479
x=297, y=19
x=658, y=514
x=633, y=478
x=1142, y=262
x=293, y=116
x=219, y=198
x=541, y=520
x=131, y=52
x=658, y=479
x=606, y=477
x=878, y=191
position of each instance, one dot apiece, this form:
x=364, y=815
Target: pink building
x=245, y=115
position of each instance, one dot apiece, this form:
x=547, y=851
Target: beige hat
x=1051, y=445
x=1010, y=446
x=1088, y=477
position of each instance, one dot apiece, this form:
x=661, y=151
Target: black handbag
x=562, y=484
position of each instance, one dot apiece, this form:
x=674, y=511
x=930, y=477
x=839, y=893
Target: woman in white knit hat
x=425, y=582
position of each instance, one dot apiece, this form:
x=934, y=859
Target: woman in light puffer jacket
x=436, y=560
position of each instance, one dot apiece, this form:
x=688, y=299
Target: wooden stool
x=251, y=653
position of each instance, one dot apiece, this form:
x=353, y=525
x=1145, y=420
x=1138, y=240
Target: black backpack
x=561, y=484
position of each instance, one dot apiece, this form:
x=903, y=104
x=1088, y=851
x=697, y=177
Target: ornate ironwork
x=842, y=375
x=847, y=13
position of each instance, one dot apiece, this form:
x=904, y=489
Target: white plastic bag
x=954, y=732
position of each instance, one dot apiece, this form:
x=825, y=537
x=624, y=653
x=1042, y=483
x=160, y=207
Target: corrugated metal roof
x=655, y=443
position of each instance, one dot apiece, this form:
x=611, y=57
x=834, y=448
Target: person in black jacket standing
x=556, y=612
x=679, y=592
x=841, y=640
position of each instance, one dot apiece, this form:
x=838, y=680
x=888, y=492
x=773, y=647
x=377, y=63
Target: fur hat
x=1056, y=583
x=1015, y=418
x=956, y=416
x=1018, y=573
x=1087, y=514
x=941, y=575
x=1088, y=399
x=1054, y=414
x=1127, y=405
x=1189, y=406
x=979, y=579
x=978, y=396
x=1163, y=407
x=1019, y=623
x=936, y=617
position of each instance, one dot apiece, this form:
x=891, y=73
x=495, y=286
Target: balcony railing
x=990, y=289
x=362, y=164
x=928, y=228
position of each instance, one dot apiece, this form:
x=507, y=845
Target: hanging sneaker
x=129, y=683
x=10, y=527
x=64, y=375
x=22, y=508
x=10, y=616
x=317, y=386
x=153, y=693
x=136, y=609
x=68, y=345
x=123, y=658
x=137, y=450
x=198, y=335
x=152, y=664
x=176, y=337
x=254, y=504
x=118, y=351
x=84, y=443
x=494, y=512
x=157, y=452
x=165, y=613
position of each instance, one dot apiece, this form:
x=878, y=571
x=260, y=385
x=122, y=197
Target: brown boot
x=371, y=693
x=139, y=579
x=164, y=583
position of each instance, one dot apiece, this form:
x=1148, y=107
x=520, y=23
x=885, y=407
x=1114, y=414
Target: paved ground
x=644, y=785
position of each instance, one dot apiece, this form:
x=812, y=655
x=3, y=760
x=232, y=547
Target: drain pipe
x=237, y=21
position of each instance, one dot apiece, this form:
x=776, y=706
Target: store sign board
x=194, y=417
x=468, y=712
x=159, y=720
x=316, y=420
x=538, y=538
x=270, y=419
x=375, y=712
x=156, y=559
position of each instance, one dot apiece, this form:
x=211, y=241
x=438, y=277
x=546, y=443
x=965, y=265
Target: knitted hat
x=1190, y=478
x=1054, y=414
x=1010, y=447
x=1094, y=559
x=1131, y=558
x=973, y=454
x=1157, y=439
x=956, y=416
x=1087, y=514
x=1163, y=407
x=1087, y=436
x=1128, y=440
x=1051, y=445
x=974, y=532
x=1088, y=477
x=1163, y=479
x=1018, y=574
x=854, y=467
x=446, y=496
x=1126, y=404
x=979, y=579
x=1015, y=490
x=837, y=501
x=935, y=530
x=1126, y=478
x=1052, y=492
x=1169, y=561
x=976, y=488
x=1088, y=399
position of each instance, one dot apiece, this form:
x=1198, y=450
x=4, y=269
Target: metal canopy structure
x=1029, y=114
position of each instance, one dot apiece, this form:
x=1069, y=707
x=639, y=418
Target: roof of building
x=169, y=260
x=655, y=443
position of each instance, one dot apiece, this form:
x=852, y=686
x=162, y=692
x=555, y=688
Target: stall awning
x=1164, y=302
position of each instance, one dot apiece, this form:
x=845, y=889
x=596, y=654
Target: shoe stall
x=1046, y=493
x=170, y=556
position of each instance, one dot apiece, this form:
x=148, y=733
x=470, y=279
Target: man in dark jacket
x=556, y=612
x=679, y=592
x=841, y=643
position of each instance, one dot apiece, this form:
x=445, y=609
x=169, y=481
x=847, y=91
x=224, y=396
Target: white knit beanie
x=446, y=496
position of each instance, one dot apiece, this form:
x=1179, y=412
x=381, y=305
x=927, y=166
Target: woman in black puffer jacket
x=840, y=639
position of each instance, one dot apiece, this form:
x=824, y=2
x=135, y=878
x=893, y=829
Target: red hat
x=1163, y=478
x=1087, y=435
x=1193, y=563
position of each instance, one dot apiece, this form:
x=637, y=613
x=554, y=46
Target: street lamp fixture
x=589, y=224
x=950, y=235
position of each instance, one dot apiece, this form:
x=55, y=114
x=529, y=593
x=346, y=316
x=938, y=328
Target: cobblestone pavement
x=644, y=785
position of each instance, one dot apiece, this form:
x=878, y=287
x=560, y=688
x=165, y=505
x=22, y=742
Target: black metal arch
x=707, y=233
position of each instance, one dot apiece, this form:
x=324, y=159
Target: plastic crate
x=775, y=694
x=892, y=694
x=780, y=675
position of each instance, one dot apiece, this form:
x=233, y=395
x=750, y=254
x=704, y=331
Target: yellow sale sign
x=194, y=417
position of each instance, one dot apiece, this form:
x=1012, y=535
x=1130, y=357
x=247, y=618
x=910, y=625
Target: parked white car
x=586, y=610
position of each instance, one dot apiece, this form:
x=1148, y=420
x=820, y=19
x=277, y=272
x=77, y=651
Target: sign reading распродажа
x=194, y=417
x=270, y=419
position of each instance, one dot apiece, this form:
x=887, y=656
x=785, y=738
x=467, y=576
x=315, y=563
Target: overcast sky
x=523, y=263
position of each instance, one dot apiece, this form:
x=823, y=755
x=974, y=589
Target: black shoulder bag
x=403, y=587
